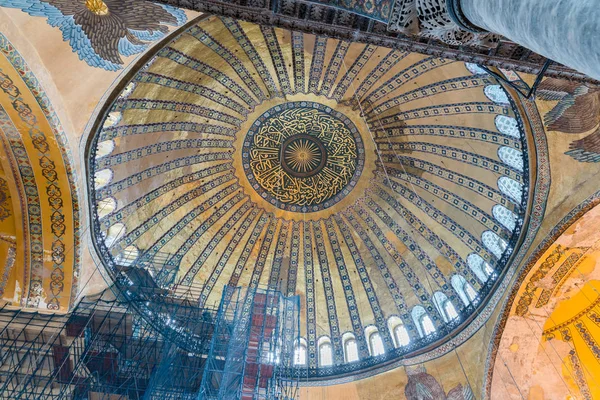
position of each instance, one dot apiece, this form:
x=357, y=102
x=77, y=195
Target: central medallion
x=303, y=156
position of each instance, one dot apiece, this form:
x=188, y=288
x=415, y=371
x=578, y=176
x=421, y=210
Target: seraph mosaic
x=102, y=32
x=577, y=112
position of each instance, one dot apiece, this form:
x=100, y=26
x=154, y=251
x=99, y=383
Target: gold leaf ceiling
x=383, y=187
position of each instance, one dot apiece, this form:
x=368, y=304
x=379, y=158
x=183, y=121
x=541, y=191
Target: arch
x=112, y=119
x=398, y=331
x=506, y=217
x=300, y=352
x=114, y=233
x=105, y=148
x=106, y=207
x=480, y=268
x=374, y=340
x=422, y=321
x=494, y=243
x=507, y=126
x=475, y=69
x=444, y=306
x=496, y=94
x=128, y=90
x=128, y=256
x=325, y=351
x=511, y=188
x=103, y=178
x=350, y=347
x=511, y=157
x=464, y=289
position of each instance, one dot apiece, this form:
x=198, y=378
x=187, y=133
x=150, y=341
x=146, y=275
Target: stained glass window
x=508, y=126
x=511, y=157
x=506, y=217
x=494, y=243
x=496, y=94
x=511, y=188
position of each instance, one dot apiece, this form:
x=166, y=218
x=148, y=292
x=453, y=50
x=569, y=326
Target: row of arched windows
x=398, y=331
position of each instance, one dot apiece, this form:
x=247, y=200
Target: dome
x=387, y=189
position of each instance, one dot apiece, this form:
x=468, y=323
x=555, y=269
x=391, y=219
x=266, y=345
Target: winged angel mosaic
x=577, y=112
x=101, y=32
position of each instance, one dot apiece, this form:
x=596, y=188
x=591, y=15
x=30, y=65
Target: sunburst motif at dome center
x=302, y=155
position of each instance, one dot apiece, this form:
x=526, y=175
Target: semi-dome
x=388, y=189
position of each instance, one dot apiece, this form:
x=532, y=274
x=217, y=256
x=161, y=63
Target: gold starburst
x=302, y=156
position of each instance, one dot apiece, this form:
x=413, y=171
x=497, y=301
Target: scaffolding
x=111, y=347
x=102, y=350
x=252, y=348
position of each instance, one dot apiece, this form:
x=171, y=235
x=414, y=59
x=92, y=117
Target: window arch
x=350, y=347
x=423, y=321
x=506, y=217
x=496, y=94
x=464, y=289
x=445, y=306
x=494, y=243
x=511, y=188
x=300, y=352
x=128, y=256
x=480, y=268
x=105, y=148
x=475, y=69
x=511, y=157
x=398, y=331
x=508, y=126
x=106, y=206
x=374, y=340
x=102, y=178
x=128, y=90
x=325, y=352
x=114, y=233
x=112, y=119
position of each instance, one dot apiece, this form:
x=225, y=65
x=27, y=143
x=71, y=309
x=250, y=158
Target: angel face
x=98, y=7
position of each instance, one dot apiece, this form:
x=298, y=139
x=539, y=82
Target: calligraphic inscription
x=303, y=156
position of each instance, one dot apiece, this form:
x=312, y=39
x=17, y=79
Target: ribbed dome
x=386, y=188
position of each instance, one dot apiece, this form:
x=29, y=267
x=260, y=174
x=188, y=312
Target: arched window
x=112, y=119
x=480, y=268
x=350, y=347
x=496, y=94
x=422, y=321
x=114, y=233
x=106, y=206
x=511, y=157
x=128, y=256
x=127, y=91
x=494, y=243
x=375, y=343
x=105, y=148
x=325, y=352
x=398, y=331
x=465, y=291
x=470, y=292
x=300, y=352
x=506, y=217
x=102, y=178
x=508, y=126
x=445, y=306
x=475, y=69
x=511, y=188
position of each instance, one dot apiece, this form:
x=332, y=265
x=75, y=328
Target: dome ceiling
x=383, y=187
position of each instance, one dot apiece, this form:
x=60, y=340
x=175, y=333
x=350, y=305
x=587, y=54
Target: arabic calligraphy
x=302, y=154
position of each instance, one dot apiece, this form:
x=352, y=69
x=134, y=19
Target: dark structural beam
x=418, y=36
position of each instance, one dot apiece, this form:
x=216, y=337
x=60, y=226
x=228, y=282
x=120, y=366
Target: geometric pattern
x=422, y=176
